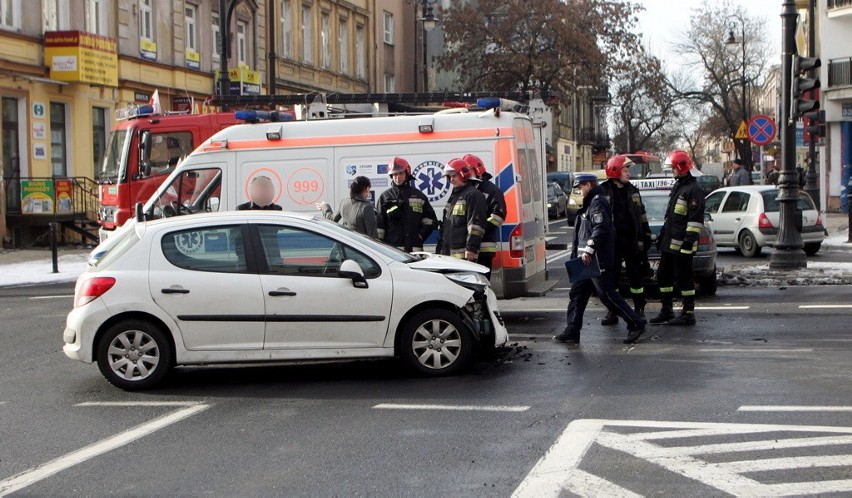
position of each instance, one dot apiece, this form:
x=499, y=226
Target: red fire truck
x=144, y=147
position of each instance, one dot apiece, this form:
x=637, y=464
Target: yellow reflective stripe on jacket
x=488, y=247
x=427, y=221
x=459, y=208
x=459, y=255
x=680, y=208
x=474, y=229
x=666, y=289
x=495, y=220
x=694, y=226
x=687, y=292
x=392, y=209
x=675, y=244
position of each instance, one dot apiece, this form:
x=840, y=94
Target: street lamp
x=429, y=21
x=732, y=46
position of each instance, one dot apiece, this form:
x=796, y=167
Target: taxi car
x=266, y=286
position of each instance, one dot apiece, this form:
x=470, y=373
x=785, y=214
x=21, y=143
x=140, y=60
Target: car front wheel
x=134, y=354
x=748, y=245
x=436, y=342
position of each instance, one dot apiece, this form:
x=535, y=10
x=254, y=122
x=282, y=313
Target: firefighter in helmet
x=496, y=205
x=464, y=215
x=405, y=217
x=632, y=233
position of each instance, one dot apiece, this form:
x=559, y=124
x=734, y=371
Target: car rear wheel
x=134, y=354
x=748, y=245
x=436, y=342
x=812, y=248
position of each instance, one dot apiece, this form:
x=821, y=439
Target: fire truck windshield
x=114, y=167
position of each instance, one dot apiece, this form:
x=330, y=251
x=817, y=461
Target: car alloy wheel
x=436, y=342
x=134, y=355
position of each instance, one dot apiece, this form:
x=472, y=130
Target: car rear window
x=655, y=206
x=771, y=204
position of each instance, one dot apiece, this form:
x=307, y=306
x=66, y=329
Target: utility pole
x=789, y=253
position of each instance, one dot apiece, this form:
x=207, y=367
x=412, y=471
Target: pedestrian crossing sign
x=742, y=131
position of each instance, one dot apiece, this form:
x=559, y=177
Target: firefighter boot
x=687, y=315
x=639, y=303
x=666, y=313
x=610, y=319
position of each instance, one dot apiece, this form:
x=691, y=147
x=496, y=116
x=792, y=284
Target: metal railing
x=840, y=71
x=839, y=4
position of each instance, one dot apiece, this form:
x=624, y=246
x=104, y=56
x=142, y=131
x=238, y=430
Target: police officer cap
x=584, y=177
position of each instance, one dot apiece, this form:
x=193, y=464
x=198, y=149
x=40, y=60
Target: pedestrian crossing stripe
x=742, y=131
x=558, y=470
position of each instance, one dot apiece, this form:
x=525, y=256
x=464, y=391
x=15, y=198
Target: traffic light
x=814, y=123
x=803, y=86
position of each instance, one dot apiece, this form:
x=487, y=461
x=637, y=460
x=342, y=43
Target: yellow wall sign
x=148, y=49
x=193, y=59
x=83, y=57
x=742, y=131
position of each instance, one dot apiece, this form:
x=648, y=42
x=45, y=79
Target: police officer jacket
x=638, y=218
x=496, y=204
x=464, y=222
x=406, y=218
x=593, y=230
x=684, y=217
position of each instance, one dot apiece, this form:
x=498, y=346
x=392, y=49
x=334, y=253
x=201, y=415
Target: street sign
x=742, y=131
x=761, y=130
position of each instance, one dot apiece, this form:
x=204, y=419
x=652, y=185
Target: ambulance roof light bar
x=268, y=116
x=500, y=103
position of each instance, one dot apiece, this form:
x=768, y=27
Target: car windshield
x=551, y=191
x=383, y=249
x=655, y=206
x=771, y=204
x=114, y=165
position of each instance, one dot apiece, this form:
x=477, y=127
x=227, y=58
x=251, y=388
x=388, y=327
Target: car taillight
x=516, y=242
x=819, y=218
x=704, y=241
x=93, y=289
x=763, y=221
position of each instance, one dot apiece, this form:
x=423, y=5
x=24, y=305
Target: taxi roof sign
x=653, y=183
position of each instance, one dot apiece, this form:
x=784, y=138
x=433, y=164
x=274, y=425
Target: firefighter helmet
x=680, y=161
x=398, y=165
x=459, y=167
x=616, y=165
x=476, y=163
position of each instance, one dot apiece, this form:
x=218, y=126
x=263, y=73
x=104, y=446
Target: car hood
x=445, y=264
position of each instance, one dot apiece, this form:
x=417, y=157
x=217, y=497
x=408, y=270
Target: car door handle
x=173, y=290
x=738, y=219
x=282, y=292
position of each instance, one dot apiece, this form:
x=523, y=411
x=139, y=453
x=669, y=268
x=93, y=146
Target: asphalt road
x=756, y=399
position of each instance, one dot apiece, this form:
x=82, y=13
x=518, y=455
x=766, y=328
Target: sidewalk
x=34, y=266
x=837, y=225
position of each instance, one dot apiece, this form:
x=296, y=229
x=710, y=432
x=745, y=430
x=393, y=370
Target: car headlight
x=572, y=202
x=473, y=281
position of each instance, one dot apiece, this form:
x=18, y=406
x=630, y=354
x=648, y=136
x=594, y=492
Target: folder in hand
x=578, y=271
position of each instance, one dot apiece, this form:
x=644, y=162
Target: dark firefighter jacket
x=405, y=217
x=496, y=215
x=684, y=217
x=464, y=222
x=635, y=216
x=593, y=230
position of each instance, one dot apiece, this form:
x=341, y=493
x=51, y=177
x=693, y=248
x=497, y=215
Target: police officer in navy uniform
x=405, y=217
x=594, y=238
x=496, y=204
x=679, y=241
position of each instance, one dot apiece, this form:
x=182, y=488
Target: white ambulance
x=312, y=161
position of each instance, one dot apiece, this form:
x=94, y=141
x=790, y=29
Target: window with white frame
x=343, y=44
x=217, y=39
x=96, y=17
x=388, y=24
x=10, y=14
x=191, y=27
x=360, y=53
x=286, y=29
x=55, y=15
x=241, y=42
x=307, y=34
x=146, y=20
x=325, y=36
x=390, y=83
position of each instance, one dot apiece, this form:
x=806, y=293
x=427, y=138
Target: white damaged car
x=255, y=286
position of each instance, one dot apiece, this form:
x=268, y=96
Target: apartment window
x=390, y=83
x=55, y=15
x=325, y=35
x=388, y=28
x=99, y=134
x=217, y=39
x=146, y=20
x=343, y=45
x=10, y=14
x=58, y=139
x=96, y=17
x=241, y=43
x=190, y=19
x=286, y=29
x=360, y=53
x=307, y=34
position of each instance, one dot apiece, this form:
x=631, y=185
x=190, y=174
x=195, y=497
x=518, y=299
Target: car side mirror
x=707, y=217
x=350, y=269
x=213, y=205
x=145, y=153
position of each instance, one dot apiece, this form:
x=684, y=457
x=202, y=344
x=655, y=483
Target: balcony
x=837, y=8
x=840, y=71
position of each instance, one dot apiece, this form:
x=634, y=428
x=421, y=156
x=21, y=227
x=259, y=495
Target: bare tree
x=704, y=48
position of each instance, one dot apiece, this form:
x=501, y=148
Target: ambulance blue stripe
x=506, y=179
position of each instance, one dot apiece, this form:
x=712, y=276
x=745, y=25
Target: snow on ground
x=40, y=271
x=816, y=273
x=839, y=240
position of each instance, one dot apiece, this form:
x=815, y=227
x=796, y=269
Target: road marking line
x=771, y=444
x=793, y=408
x=57, y=296
x=560, y=254
x=810, y=488
x=35, y=474
x=823, y=306
x=787, y=463
x=457, y=408
x=756, y=350
x=137, y=403
x=716, y=308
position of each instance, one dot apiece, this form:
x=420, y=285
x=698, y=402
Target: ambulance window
x=526, y=196
x=535, y=174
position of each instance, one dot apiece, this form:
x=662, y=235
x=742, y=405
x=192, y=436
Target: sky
x=661, y=19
